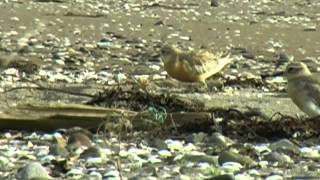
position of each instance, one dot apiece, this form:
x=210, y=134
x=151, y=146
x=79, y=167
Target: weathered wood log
x=54, y=116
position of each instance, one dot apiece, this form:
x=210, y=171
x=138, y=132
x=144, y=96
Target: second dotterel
x=303, y=88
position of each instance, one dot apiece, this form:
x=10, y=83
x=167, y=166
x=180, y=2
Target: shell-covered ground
x=93, y=46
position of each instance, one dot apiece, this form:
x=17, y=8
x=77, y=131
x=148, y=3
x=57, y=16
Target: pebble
x=91, y=152
x=217, y=140
x=279, y=158
x=214, y=3
x=78, y=140
x=229, y=156
x=223, y=177
x=231, y=167
x=286, y=146
x=75, y=173
x=52, y=48
x=33, y=170
x=274, y=177
x=309, y=152
x=59, y=150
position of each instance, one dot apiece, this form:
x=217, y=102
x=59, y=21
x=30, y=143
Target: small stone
x=214, y=3
x=15, y=19
x=223, y=177
x=200, y=158
x=309, y=152
x=80, y=130
x=95, y=175
x=164, y=154
x=58, y=150
x=104, y=45
x=94, y=161
x=280, y=158
x=111, y=175
x=120, y=77
x=158, y=143
x=92, y=176
x=174, y=145
x=59, y=62
x=91, y=152
x=243, y=177
x=248, y=55
x=186, y=38
x=197, y=138
x=59, y=139
x=33, y=170
x=208, y=13
x=286, y=146
x=159, y=23
x=283, y=57
x=228, y=156
x=78, y=140
x=231, y=167
x=219, y=141
x=75, y=173
x=4, y=161
x=25, y=50
x=274, y=177
x=310, y=28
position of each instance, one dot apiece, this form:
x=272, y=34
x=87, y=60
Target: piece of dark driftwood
x=56, y=115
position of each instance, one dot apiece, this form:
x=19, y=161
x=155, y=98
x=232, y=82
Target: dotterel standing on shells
x=303, y=88
x=192, y=66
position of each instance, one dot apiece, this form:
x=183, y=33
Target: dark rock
x=80, y=130
x=248, y=55
x=25, y=49
x=275, y=157
x=91, y=152
x=200, y=158
x=158, y=143
x=286, y=146
x=214, y=3
x=282, y=59
x=33, y=170
x=159, y=23
x=58, y=150
x=228, y=156
x=219, y=141
x=78, y=140
x=222, y=177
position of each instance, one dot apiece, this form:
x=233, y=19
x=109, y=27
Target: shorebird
x=192, y=66
x=303, y=88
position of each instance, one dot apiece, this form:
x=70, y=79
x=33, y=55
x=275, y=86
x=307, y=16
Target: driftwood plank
x=53, y=116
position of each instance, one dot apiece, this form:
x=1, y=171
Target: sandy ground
x=261, y=30
x=88, y=46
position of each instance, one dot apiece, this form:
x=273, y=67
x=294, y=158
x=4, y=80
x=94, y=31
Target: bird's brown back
x=192, y=66
x=203, y=63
